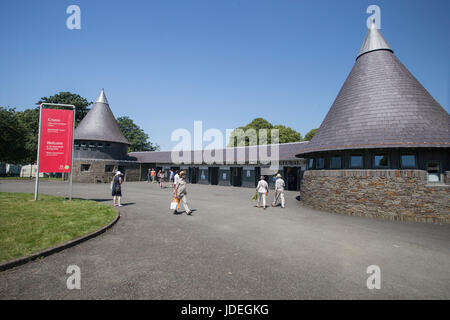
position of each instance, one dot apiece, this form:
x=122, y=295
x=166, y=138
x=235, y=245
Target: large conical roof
x=99, y=124
x=381, y=105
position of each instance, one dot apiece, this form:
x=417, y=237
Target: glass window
x=356, y=161
x=381, y=161
x=311, y=163
x=408, y=161
x=335, y=163
x=85, y=167
x=320, y=163
x=109, y=168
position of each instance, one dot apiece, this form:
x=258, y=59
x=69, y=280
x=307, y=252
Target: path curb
x=46, y=252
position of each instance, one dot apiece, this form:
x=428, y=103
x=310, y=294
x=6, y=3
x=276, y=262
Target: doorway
x=193, y=174
x=213, y=173
x=291, y=176
x=236, y=176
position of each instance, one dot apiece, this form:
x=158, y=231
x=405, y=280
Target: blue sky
x=167, y=63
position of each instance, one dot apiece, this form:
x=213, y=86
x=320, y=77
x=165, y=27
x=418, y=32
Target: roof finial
x=373, y=25
x=374, y=40
x=102, y=97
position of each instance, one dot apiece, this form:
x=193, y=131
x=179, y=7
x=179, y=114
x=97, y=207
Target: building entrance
x=213, y=173
x=193, y=174
x=291, y=177
x=236, y=176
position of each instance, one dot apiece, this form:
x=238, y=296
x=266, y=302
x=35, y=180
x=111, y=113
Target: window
x=408, y=161
x=109, y=168
x=85, y=167
x=381, y=161
x=356, y=161
x=335, y=162
x=320, y=163
x=91, y=145
x=100, y=145
x=434, y=170
x=311, y=163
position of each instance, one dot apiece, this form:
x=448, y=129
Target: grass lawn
x=28, y=226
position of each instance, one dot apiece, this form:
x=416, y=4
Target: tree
x=79, y=102
x=29, y=120
x=310, y=134
x=135, y=135
x=286, y=134
x=12, y=146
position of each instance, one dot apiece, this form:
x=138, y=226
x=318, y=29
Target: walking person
x=171, y=173
x=149, y=175
x=262, y=188
x=279, y=191
x=181, y=193
x=176, y=177
x=161, y=178
x=153, y=174
x=117, y=189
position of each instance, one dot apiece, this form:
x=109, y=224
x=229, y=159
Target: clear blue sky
x=167, y=63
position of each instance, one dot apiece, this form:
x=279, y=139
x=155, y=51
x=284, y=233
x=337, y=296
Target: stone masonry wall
x=401, y=195
x=98, y=174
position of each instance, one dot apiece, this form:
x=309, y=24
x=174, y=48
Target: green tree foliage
x=12, y=137
x=286, y=134
x=79, y=102
x=135, y=135
x=310, y=134
x=29, y=120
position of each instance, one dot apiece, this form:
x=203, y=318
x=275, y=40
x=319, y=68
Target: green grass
x=28, y=226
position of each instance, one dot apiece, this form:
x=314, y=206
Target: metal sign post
x=36, y=190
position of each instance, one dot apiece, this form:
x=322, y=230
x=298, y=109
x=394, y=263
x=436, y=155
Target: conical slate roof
x=99, y=124
x=381, y=105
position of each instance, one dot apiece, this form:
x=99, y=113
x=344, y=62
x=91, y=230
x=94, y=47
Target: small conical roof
x=374, y=40
x=99, y=124
x=381, y=105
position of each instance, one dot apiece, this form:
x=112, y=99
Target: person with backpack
x=117, y=189
x=262, y=189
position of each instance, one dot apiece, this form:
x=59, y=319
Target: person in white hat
x=116, y=189
x=181, y=192
x=279, y=191
x=262, y=188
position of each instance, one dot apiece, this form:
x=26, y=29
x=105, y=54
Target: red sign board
x=56, y=140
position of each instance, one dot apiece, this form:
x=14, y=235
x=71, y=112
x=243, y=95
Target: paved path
x=232, y=250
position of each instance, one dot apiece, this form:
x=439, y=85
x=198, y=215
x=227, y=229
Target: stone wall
x=102, y=171
x=401, y=195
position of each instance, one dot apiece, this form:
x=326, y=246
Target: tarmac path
x=230, y=249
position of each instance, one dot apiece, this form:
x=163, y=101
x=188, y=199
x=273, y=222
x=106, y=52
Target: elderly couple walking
x=262, y=190
x=180, y=191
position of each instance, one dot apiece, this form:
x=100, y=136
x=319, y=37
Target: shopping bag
x=255, y=197
x=173, y=205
